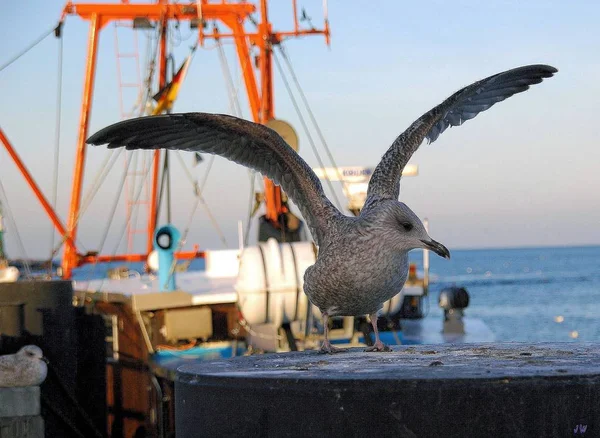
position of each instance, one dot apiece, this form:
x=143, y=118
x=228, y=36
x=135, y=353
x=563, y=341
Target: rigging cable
x=150, y=62
x=99, y=180
x=236, y=110
x=303, y=122
x=164, y=30
x=130, y=186
x=144, y=98
x=199, y=199
x=198, y=190
x=234, y=102
x=101, y=174
x=176, y=38
x=127, y=221
x=115, y=204
x=112, y=211
x=288, y=62
x=56, y=145
x=165, y=183
x=41, y=38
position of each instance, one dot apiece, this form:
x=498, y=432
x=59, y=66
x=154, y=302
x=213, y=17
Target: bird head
x=407, y=232
x=32, y=352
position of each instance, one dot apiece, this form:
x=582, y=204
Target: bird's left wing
x=246, y=143
x=454, y=111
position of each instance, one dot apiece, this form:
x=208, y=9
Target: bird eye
x=407, y=226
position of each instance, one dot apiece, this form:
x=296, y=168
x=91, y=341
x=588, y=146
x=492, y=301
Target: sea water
x=524, y=295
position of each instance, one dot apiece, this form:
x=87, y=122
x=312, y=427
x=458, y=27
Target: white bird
x=362, y=261
x=27, y=367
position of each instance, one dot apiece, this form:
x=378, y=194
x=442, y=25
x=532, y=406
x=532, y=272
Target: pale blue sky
x=526, y=172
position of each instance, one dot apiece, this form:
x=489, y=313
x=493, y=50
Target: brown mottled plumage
x=362, y=261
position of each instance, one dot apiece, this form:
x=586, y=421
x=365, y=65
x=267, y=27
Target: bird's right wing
x=454, y=111
x=249, y=144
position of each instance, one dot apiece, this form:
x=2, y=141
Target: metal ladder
x=140, y=160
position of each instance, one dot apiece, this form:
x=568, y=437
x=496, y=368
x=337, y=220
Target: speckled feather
x=361, y=268
x=24, y=368
x=246, y=143
x=362, y=261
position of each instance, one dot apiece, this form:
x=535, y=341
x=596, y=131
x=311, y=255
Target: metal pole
x=241, y=46
x=152, y=207
x=272, y=192
x=34, y=187
x=70, y=255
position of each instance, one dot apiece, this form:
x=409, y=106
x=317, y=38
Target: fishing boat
x=245, y=300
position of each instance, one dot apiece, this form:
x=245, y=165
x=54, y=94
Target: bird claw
x=379, y=346
x=327, y=348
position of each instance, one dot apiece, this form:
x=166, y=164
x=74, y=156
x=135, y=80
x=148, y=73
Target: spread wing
x=249, y=144
x=454, y=111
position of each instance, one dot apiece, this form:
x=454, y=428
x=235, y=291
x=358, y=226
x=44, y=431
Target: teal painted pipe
x=166, y=241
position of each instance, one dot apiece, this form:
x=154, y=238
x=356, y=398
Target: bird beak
x=437, y=248
x=45, y=359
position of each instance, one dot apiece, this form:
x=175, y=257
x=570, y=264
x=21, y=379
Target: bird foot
x=327, y=348
x=379, y=346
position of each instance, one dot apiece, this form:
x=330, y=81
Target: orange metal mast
x=70, y=258
x=162, y=79
x=233, y=15
x=273, y=203
x=36, y=190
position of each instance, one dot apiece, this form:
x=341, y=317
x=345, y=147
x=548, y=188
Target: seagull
x=362, y=261
x=27, y=367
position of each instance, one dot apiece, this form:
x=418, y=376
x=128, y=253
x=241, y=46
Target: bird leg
x=378, y=346
x=326, y=346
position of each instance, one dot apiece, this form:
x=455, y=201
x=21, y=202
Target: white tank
x=393, y=305
x=270, y=282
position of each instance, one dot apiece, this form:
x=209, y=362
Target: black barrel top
x=483, y=361
x=428, y=390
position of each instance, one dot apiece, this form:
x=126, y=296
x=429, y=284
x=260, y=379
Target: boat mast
x=272, y=192
x=262, y=106
x=234, y=16
x=70, y=255
x=153, y=212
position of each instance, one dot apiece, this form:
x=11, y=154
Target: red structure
x=260, y=97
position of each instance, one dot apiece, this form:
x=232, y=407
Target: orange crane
x=260, y=96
